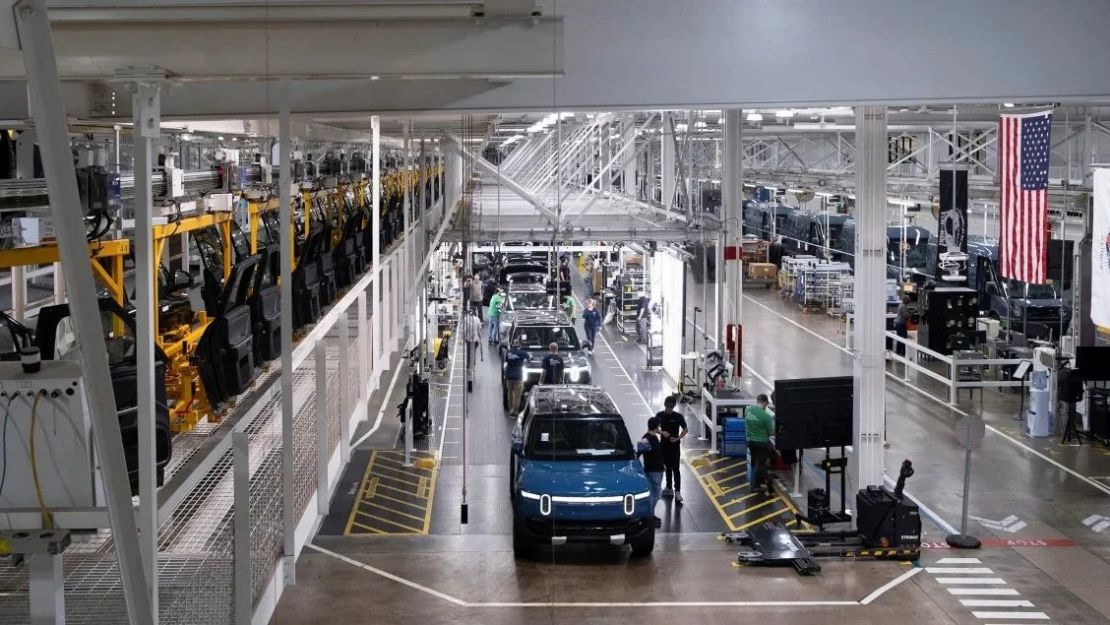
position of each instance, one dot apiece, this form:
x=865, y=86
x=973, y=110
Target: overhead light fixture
x=1008, y=105
x=754, y=117
x=375, y=77
x=784, y=113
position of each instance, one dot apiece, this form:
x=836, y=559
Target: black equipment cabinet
x=885, y=521
x=949, y=319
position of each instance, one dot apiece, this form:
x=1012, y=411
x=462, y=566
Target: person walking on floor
x=496, y=301
x=591, y=317
x=476, y=289
x=514, y=376
x=650, y=448
x=470, y=331
x=674, y=429
x=553, y=366
x=759, y=423
x=570, y=307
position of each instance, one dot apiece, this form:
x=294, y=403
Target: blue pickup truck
x=574, y=475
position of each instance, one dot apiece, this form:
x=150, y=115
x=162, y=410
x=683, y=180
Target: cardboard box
x=762, y=271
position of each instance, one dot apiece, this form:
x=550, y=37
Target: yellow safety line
x=431, y=497
x=716, y=460
x=422, y=489
x=368, y=528
x=414, y=483
x=731, y=466
x=401, y=525
x=712, y=498
x=735, y=488
x=362, y=487
x=406, y=492
x=755, y=507
x=762, y=519
x=729, y=478
x=400, y=464
x=371, y=489
x=744, y=498
x=402, y=501
x=390, y=510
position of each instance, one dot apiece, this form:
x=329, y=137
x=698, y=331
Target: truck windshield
x=563, y=438
x=521, y=301
x=537, y=338
x=1032, y=291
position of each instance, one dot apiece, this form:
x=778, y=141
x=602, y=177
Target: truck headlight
x=528, y=495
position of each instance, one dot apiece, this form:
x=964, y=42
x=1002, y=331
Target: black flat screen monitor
x=1093, y=363
x=813, y=413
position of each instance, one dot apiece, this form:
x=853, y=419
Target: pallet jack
x=888, y=527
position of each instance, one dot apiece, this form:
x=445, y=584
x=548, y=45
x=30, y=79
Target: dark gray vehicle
x=536, y=330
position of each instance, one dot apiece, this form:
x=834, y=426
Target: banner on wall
x=952, y=224
x=1100, y=254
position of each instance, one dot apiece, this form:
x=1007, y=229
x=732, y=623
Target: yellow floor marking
x=399, y=464
x=399, y=490
x=762, y=519
x=399, y=479
x=730, y=478
x=735, y=488
x=362, y=488
x=402, y=501
x=383, y=520
x=738, y=500
x=373, y=530
x=731, y=466
x=755, y=507
x=374, y=504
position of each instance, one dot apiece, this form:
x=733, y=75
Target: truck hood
x=573, y=478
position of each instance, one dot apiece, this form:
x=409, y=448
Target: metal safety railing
x=959, y=372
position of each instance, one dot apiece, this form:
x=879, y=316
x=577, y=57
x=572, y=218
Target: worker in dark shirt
x=673, y=425
x=591, y=317
x=514, y=376
x=650, y=448
x=553, y=366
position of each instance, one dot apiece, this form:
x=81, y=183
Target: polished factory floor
x=1038, y=506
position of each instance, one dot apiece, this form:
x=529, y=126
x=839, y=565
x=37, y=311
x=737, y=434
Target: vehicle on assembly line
x=765, y=220
x=916, y=253
x=536, y=330
x=521, y=273
x=574, y=476
x=1036, y=310
x=522, y=297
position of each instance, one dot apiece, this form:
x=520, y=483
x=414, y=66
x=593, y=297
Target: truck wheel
x=643, y=546
x=522, y=547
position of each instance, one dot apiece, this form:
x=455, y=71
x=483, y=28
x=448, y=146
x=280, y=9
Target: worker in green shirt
x=570, y=306
x=495, y=303
x=759, y=422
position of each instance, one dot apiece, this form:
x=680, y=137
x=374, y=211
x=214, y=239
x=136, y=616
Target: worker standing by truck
x=496, y=301
x=673, y=425
x=591, y=317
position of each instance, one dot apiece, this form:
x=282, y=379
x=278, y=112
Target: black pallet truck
x=888, y=527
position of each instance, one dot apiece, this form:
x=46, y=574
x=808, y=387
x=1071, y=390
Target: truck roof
x=550, y=399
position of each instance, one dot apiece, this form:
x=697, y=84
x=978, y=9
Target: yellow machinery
x=106, y=258
x=179, y=340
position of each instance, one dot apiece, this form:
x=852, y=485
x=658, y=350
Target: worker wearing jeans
x=514, y=376
x=495, y=303
x=650, y=448
x=759, y=423
x=674, y=429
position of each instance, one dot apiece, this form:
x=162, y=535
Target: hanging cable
x=4, y=444
x=47, y=516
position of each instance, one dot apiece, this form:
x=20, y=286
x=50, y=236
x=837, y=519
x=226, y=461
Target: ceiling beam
x=201, y=49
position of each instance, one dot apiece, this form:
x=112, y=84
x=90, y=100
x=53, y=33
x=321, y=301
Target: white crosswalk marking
x=1021, y=616
x=955, y=570
x=984, y=592
x=971, y=580
x=996, y=603
x=959, y=561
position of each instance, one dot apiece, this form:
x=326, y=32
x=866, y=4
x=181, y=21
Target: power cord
x=4, y=444
x=47, y=516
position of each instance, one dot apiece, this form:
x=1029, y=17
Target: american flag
x=1023, y=153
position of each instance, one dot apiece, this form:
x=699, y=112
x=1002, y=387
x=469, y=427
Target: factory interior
x=554, y=311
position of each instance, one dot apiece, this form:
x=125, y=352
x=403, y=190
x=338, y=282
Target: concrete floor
x=1049, y=570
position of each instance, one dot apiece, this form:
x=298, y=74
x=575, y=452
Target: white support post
x=46, y=589
x=363, y=356
x=59, y=284
x=870, y=293
x=345, y=386
x=628, y=181
x=668, y=161
x=732, y=192
x=288, y=451
x=241, y=541
x=376, y=264
x=406, y=280
x=19, y=293
x=48, y=112
x=146, y=107
x=322, y=452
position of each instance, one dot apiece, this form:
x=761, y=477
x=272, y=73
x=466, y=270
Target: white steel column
x=732, y=207
x=47, y=109
x=59, y=284
x=285, y=218
x=870, y=293
x=19, y=293
x=668, y=160
x=629, y=146
x=408, y=242
x=147, y=117
x=376, y=234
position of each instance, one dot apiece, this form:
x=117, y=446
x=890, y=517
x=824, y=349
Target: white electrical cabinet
x=47, y=444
